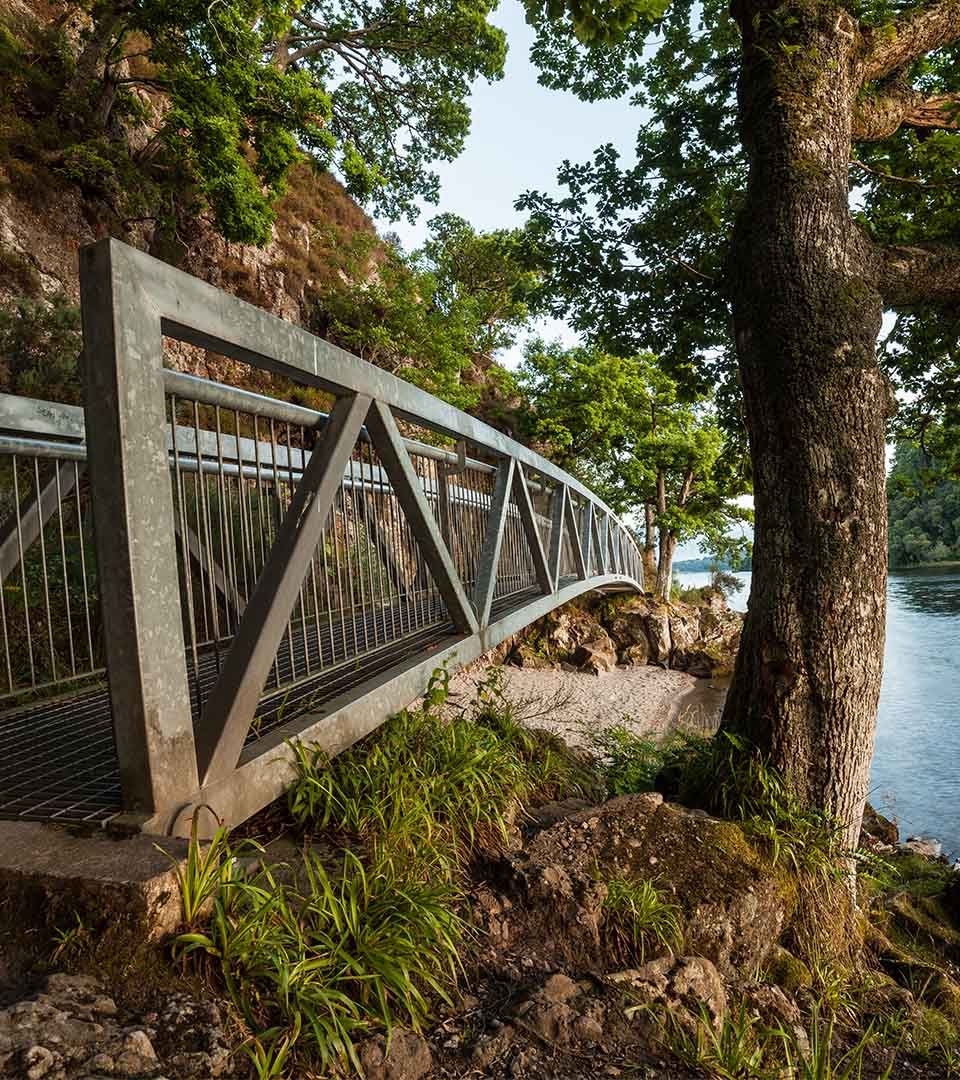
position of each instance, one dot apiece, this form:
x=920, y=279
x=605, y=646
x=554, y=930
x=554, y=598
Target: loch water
x=916, y=764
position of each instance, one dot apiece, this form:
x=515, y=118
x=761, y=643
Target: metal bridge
x=193, y=575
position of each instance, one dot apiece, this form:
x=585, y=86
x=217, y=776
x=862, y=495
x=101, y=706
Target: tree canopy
x=924, y=508
x=165, y=102
x=636, y=437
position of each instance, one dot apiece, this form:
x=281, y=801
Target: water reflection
x=916, y=765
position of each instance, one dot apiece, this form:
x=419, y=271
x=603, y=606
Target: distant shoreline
x=950, y=564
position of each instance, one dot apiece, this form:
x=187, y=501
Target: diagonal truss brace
x=579, y=561
x=33, y=516
x=556, y=533
x=528, y=520
x=230, y=709
x=492, y=542
x=395, y=460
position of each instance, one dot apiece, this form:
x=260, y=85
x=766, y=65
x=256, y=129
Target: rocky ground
x=550, y=991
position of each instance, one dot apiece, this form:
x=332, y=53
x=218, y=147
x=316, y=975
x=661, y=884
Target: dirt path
x=573, y=705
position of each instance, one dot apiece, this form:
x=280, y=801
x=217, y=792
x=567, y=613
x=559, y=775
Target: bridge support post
x=136, y=552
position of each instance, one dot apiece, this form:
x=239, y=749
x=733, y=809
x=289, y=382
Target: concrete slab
x=56, y=875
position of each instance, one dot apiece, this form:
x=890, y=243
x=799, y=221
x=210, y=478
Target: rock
x=734, y=904
x=526, y=656
x=597, y=655
x=770, y=1004
x=920, y=845
x=877, y=827
x=70, y=1029
x=638, y=654
x=787, y=971
x=404, y=1056
x=559, y=988
x=691, y=983
x=658, y=635
x=684, y=631
x=491, y=1048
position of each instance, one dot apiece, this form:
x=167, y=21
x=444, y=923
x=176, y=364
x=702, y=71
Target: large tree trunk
x=806, y=320
x=649, y=547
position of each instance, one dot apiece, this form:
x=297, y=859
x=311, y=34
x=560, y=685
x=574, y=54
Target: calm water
x=916, y=767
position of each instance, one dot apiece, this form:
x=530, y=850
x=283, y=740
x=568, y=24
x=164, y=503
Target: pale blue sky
x=520, y=133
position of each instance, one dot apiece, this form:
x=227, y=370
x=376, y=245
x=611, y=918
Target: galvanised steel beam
x=587, y=535
x=492, y=541
x=136, y=551
x=393, y=455
x=528, y=519
x=558, y=517
x=230, y=708
x=579, y=562
x=22, y=528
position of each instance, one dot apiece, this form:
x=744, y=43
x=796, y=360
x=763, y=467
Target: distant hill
x=703, y=566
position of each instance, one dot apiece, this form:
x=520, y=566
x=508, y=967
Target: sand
x=648, y=700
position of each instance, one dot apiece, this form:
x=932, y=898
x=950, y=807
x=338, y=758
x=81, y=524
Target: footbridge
x=192, y=575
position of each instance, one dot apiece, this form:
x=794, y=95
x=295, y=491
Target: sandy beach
x=574, y=705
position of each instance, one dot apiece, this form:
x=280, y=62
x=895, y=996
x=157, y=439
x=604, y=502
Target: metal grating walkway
x=57, y=757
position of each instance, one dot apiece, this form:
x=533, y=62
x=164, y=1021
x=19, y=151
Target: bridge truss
x=193, y=575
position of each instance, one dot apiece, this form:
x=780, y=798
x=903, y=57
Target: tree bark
x=806, y=319
x=108, y=19
x=649, y=547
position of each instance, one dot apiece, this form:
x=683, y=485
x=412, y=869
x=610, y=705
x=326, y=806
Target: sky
x=520, y=133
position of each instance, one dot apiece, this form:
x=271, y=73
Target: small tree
x=437, y=317
x=622, y=425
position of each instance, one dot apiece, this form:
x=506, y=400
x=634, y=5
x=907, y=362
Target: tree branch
x=880, y=115
x=911, y=274
x=894, y=46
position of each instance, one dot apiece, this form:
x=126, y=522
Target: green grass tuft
x=639, y=916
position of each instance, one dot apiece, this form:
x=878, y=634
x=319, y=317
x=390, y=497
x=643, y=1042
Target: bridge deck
x=57, y=757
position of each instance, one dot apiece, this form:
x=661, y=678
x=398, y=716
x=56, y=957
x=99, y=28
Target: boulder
x=597, y=656
x=658, y=635
x=684, y=632
x=876, y=827
x=689, y=983
x=70, y=1028
x=403, y=1055
x=734, y=904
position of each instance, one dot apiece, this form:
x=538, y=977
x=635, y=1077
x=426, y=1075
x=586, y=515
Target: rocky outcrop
x=71, y=1028
x=733, y=904
x=598, y=634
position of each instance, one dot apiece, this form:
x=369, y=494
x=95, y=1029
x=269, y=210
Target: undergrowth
x=428, y=787
x=721, y=775
x=316, y=956
x=741, y=1047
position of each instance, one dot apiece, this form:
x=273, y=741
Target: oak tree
x=795, y=179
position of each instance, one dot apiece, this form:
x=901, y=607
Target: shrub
x=327, y=961
x=426, y=787
x=40, y=345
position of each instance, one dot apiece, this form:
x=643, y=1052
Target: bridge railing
x=264, y=571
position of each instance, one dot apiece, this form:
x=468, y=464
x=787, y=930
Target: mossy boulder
x=733, y=904
x=787, y=971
